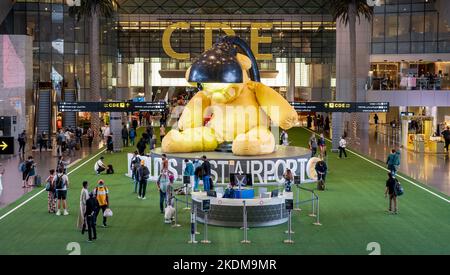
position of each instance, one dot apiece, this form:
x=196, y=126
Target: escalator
x=70, y=118
x=44, y=112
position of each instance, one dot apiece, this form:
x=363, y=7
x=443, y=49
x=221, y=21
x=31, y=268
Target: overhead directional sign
x=6, y=145
x=113, y=106
x=342, y=107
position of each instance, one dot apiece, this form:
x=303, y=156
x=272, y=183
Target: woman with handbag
x=50, y=188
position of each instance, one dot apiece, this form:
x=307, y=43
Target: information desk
x=229, y=212
x=244, y=193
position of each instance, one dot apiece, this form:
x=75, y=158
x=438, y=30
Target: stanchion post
x=289, y=231
x=205, y=237
x=175, y=224
x=186, y=195
x=297, y=208
x=193, y=227
x=313, y=206
x=245, y=227
x=195, y=217
x=317, y=217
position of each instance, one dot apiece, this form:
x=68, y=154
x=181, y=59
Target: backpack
x=398, y=188
x=59, y=183
x=22, y=167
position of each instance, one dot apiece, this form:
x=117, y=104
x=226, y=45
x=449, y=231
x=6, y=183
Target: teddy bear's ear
x=244, y=61
x=186, y=76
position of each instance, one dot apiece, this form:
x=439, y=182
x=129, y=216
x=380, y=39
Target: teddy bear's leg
x=257, y=141
x=190, y=140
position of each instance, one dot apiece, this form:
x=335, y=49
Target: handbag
x=108, y=213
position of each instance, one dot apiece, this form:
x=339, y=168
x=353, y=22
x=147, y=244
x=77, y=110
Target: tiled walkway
x=45, y=160
x=430, y=169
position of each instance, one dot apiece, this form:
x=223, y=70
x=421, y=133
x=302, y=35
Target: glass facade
x=410, y=27
x=60, y=46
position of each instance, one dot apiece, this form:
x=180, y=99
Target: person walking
x=61, y=186
x=391, y=162
x=51, y=192
x=321, y=170
x=2, y=171
x=149, y=131
x=90, y=135
x=322, y=146
x=135, y=163
x=206, y=168
x=132, y=136
x=313, y=145
x=101, y=192
x=125, y=136
x=342, y=146
x=390, y=189
x=143, y=175
x=61, y=163
x=446, y=135
x=90, y=215
x=109, y=143
x=22, y=139
x=163, y=183
x=153, y=142
x=141, y=146
x=84, y=196
x=308, y=121
x=28, y=172
x=79, y=135
x=375, y=119
x=327, y=125
x=134, y=124
x=60, y=142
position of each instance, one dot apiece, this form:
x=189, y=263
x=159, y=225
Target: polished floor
x=45, y=160
x=430, y=169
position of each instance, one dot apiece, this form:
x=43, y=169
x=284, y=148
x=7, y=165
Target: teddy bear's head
x=221, y=93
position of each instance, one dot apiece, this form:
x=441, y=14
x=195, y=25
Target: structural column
x=147, y=81
x=291, y=81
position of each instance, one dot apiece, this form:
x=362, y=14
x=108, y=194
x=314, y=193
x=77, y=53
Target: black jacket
x=206, y=166
x=143, y=173
x=91, y=206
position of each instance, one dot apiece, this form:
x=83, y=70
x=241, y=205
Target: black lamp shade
x=217, y=65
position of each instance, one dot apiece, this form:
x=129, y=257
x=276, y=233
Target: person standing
x=84, y=196
x=91, y=210
x=162, y=132
x=107, y=133
x=135, y=163
x=163, y=183
x=141, y=146
x=165, y=162
x=284, y=138
x=308, y=121
x=28, y=172
x=109, y=143
x=375, y=119
x=2, y=171
x=322, y=146
x=206, y=168
x=62, y=164
x=327, y=124
x=125, y=136
x=321, y=170
x=390, y=189
x=313, y=145
x=197, y=174
x=132, y=136
x=51, y=196
x=22, y=139
x=61, y=186
x=189, y=172
x=342, y=146
x=90, y=135
x=79, y=134
x=391, y=162
x=134, y=123
x=143, y=175
x=101, y=192
x=153, y=142
x=288, y=179
x=149, y=131
x=446, y=135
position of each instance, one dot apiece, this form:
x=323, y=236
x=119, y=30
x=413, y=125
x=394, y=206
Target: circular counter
x=229, y=212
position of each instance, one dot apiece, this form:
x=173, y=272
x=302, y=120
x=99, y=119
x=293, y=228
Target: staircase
x=44, y=111
x=70, y=118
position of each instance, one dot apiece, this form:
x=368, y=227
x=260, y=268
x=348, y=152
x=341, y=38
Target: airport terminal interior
x=210, y=127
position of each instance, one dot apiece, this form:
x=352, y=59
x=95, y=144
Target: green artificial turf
x=352, y=213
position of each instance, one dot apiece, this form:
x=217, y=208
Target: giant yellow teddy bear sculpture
x=240, y=113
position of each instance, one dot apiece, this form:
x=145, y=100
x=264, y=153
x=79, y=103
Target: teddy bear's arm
x=275, y=106
x=193, y=113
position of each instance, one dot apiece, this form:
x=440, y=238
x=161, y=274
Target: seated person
x=229, y=192
x=99, y=166
x=321, y=169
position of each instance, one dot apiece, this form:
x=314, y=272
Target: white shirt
x=342, y=143
x=107, y=131
x=98, y=164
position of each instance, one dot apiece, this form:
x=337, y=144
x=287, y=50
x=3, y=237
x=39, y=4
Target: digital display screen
x=6, y=145
x=112, y=106
x=342, y=107
x=206, y=205
x=289, y=204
